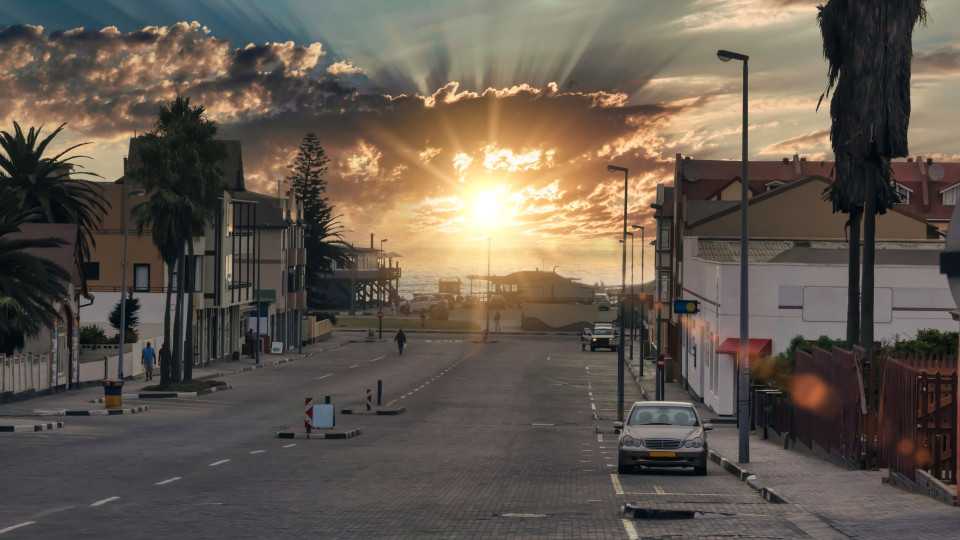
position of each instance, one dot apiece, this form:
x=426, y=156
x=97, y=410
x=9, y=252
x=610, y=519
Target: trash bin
x=113, y=393
x=370, y=333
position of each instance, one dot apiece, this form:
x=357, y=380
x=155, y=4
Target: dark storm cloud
x=945, y=62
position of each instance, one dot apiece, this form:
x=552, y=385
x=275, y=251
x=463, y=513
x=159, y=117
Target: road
x=507, y=439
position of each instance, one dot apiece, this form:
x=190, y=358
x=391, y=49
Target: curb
x=319, y=435
x=105, y=412
x=747, y=477
x=379, y=412
x=31, y=428
x=162, y=395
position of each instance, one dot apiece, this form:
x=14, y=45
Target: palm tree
x=29, y=285
x=45, y=183
x=179, y=166
x=869, y=48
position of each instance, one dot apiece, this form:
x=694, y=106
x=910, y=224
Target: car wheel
x=592, y=348
x=623, y=469
x=700, y=470
x=583, y=347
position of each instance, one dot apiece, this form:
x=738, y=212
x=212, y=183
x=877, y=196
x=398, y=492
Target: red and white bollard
x=369, y=400
x=308, y=414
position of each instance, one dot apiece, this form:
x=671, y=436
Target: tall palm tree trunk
x=853, y=279
x=188, y=340
x=177, y=372
x=165, y=361
x=869, y=252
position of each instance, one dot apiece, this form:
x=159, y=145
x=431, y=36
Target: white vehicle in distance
x=421, y=303
x=602, y=301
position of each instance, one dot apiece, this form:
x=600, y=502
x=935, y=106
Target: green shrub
x=928, y=341
x=93, y=335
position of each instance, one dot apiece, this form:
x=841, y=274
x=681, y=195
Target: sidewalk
x=44, y=410
x=849, y=502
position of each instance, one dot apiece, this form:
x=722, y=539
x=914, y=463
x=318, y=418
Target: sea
x=422, y=265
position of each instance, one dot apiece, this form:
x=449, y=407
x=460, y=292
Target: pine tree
x=131, y=318
x=322, y=237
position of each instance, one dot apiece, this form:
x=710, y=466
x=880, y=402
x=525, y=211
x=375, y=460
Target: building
x=371, y=278
x=798, y=254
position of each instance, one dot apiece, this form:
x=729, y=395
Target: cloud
x=800, y=145
x=942, y=63
x=344, y=68
x=742, y=14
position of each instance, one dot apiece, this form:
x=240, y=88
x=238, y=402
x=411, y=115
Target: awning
x=757, y=346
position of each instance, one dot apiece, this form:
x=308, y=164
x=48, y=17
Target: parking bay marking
x=631, y=530
x=17, y=526
x=616, y=484
x=168, y=480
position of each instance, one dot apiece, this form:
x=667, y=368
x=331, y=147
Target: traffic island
x=336, y=433
x=30, y=427
x=377, y=411
x=104, y=412
x=163, y=395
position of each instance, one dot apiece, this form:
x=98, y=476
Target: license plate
x=663, y=454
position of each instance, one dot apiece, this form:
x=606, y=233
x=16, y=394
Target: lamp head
x=726, y=56
x=637, y=227
x=656, y=206
x=614, y=168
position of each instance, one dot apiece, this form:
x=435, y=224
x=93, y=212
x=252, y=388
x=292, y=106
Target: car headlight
x=627, y=440
x=696, y=442
x=594, y=339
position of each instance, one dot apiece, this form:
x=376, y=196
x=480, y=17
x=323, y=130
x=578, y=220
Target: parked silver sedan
x=663, y=434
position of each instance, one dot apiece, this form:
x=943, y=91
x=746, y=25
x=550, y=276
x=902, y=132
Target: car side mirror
x=707, y=427
x=617, y=427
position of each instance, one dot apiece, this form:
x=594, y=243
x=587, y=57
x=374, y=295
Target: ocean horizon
x=593, y=263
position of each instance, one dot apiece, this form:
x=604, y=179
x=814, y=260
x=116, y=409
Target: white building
x=796, y=288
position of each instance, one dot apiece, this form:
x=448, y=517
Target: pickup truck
x=421, y=303
x=603, y=336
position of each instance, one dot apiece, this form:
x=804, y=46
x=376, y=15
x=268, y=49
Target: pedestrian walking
x=423, y=319
x=401, y=339
x=147, y=356
x=496, y=321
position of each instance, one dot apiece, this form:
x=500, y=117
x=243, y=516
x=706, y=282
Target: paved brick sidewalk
x=851, y=502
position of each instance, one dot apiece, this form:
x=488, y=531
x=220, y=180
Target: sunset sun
x=486, y=208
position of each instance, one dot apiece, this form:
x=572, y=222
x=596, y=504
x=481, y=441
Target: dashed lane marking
x=593, y=407
x=631, y=530
x=17, y=526
x=599, y=437
x=355, y=366
x=379, y=358
x=616, y=484
x=168, y=480
x=323, y=376
x=659, y=490
x=289, y=445
x=104, y=501
x=258, y=451
x=221, y=462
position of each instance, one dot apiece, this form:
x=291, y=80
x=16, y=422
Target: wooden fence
x=899, y=413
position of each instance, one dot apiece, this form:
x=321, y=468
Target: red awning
x=757, y=346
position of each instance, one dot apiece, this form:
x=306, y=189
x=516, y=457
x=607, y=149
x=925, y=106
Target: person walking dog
x=401, y=339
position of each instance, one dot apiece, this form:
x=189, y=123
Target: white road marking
x=104, y=501
x=593, y=407
x=584, y=461
x=659, y=490
x=289, y=445
x=323, y=377
x=221, y=462
x=599, y=437
x=616, y=484
x=17, y=526
x=168, y=480
x=379, y=358
x=258, y=451
x=545, y=425
x=631, y=530
x=358, y=365
x=591, y=394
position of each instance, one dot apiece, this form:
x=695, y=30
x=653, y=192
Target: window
x=91, y=270
x=950, y=197
x=663, y=240
x=903, y=192
x=664, y=285
x=773, y=185
x=141, y=277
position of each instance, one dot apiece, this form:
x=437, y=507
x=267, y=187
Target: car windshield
x=603, y=332
x=676, y=415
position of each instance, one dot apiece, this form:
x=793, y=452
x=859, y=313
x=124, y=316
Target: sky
x=447, y=122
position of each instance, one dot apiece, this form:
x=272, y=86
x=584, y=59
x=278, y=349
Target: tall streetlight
x=744, y=379
x=486, y=332
x=633, y=308
x=657, y=304
x=623, y=287
x=123, y=278
x=642, y=299
x=380, y=289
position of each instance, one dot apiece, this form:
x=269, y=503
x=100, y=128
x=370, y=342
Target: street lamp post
x=744, y=356
x=486, y=331
x=623, y=287
x=380, y=289
x=633, y=309
x=123, y=278
x=642, y=298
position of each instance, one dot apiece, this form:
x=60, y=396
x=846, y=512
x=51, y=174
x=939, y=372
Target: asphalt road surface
x=507, y=439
